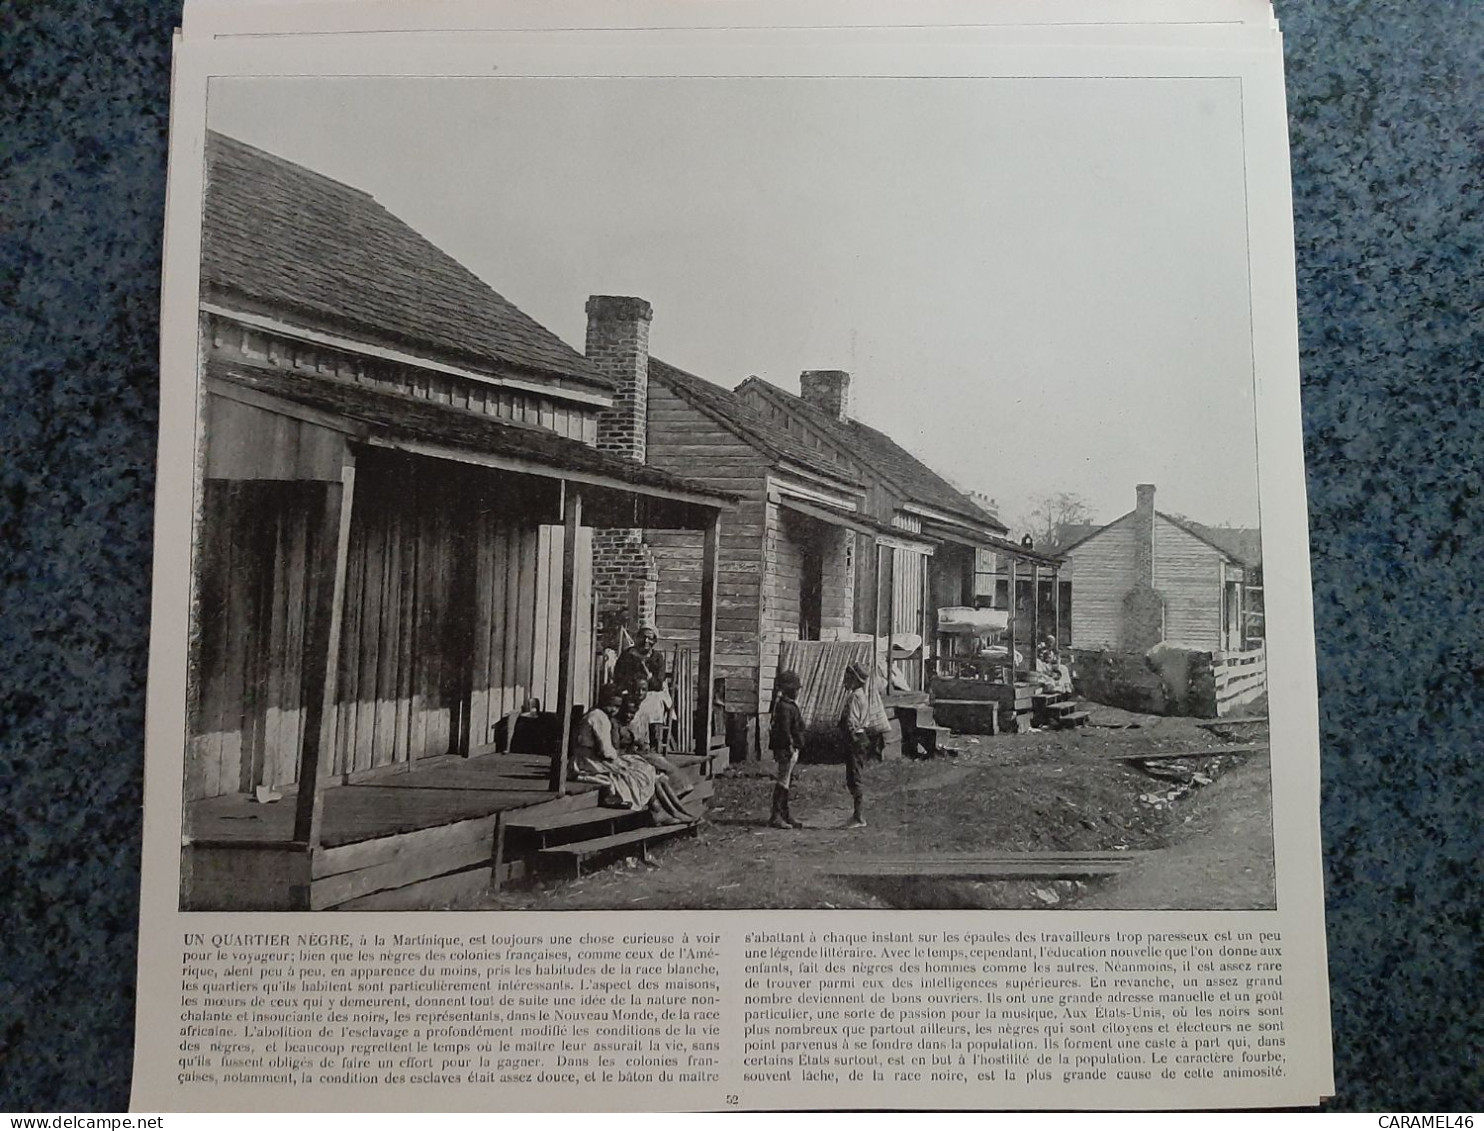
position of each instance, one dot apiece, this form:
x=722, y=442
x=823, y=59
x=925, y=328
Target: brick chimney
x=827, y=390
x=1144, y=535
x=625, y=575
x=1143, y=606
x=618, y=347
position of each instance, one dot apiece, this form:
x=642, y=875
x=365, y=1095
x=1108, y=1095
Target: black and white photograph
x=726, y=493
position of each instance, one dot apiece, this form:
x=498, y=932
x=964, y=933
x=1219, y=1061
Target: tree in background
x=1055, y=520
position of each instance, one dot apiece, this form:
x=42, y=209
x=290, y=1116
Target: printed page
x=733, y=565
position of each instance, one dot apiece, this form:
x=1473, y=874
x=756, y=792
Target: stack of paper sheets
x=496, y=331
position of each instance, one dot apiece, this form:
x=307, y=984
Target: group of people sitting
x=619, y=746
x=1051, y=672
x=616, y=745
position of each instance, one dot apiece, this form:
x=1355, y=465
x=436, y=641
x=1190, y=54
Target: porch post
x=1056, y=605
x=890, y=585
x=567, y=627
x=880, y=573
x=1012, y=603
x=326, y=598
x=928, y=621
x=706, y=660
x=1035, y=611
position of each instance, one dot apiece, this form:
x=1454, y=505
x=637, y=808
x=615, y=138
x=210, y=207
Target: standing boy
x=855, y=725
x=785, y=740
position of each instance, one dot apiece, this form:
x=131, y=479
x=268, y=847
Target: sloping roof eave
x=314, y=320
x=395, y=420
x=666, y=374
x=793, y=403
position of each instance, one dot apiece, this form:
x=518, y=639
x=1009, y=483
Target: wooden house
x=839, y=534
x=1147, y=577
x=398, y=491
x=785, y=567
x=944, y=547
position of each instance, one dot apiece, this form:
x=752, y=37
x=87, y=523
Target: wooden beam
x=567, y=627
x=326, y=595
x=706, y=656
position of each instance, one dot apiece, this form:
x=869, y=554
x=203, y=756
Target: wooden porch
x=400, y=841
x=388, y=646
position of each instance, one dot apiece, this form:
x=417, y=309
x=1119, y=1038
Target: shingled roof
x=731, y=411
x=398, y=417
x=883, y=455
x=283, y=237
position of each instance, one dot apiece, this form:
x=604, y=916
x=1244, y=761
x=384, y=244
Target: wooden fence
x=1240, y=678
x=681, y=664
x=821, y=666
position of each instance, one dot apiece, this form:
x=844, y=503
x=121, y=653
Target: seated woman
x=640, y=664
x=627, y=777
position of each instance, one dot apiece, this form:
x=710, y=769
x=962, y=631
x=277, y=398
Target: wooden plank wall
x=837, y=612
x=1102, y=574
x=1187, y=573
x=405, y=620
x=247, y=442
x=907, y=577
x=781, y=599
x=548, y=619
x=687, y=442
x=790, y=537
x=453, y=603
x=247, y=725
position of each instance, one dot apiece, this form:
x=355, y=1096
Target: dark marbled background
x=1387, y=100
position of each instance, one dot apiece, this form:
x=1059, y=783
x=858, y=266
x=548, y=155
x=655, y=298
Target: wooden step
x=581, y=850
x=1074, y=719
x=566, y=819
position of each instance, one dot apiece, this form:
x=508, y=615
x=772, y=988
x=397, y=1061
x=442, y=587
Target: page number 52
x=732, y=1101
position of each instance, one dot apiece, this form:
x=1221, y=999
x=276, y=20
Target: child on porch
x=785, y=740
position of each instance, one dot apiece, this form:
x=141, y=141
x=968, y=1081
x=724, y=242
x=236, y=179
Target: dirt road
x=1220, y=856
x=1208, y=837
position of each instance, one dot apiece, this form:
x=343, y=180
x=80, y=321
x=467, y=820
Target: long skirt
x=628, y=783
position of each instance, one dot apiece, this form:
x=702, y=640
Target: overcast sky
x=1037, y=285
